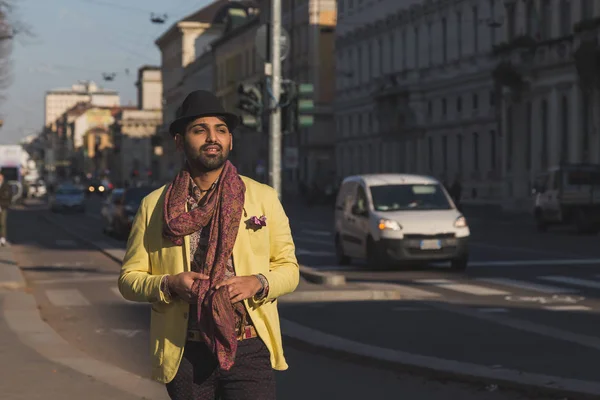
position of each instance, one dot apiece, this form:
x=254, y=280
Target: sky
x=75, y=40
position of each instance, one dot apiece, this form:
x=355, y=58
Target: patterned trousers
x=199, y=378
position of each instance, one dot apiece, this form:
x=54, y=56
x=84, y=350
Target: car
x=125, y=207
x=399, y=218
x=68, y=198
x=113, y=200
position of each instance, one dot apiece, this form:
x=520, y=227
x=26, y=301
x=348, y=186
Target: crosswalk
x=552, y=293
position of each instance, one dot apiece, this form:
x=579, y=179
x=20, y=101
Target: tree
x=11, y=28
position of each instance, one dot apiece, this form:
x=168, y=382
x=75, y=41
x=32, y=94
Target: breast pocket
x=259, y=241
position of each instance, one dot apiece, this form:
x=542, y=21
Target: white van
x=389, y=218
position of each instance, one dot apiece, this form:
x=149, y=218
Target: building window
x=492, y=99
x=546, y=23
x=459, y=104
x=493, y=150
x=509, y=138
x=511, y=20
x=544, y=135
x=369, y=61
x=360, y=64
x=493, y=19
x=475, y=151
x=531, y=27
x=459, y=152
x=475, y=100
x=404, y=49
x=587, y=8
x=565, y=17
x=416, y=47
x=429, y=109
x=529, y=133
x=564, y=153
x=585, y=126
x=380, y=55
x=445, y=152
x=430, y=140
x=444, y=108
x=429, y=44
x=392, y=56
x=459, y=33
x=444, y=40
x=475, y=13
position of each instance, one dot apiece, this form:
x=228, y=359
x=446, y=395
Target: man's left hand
x=241, y=287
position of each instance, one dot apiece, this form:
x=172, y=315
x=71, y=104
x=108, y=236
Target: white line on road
x=531, y=263
x=304, y=252
x=462, y=287
x=572, y=281
x=492, y=310
x=567, y=308
x=521, y=249
x=128, y=333
x=316, y=232
x=65, y=243
x=66, y=298
x=536, y=287
x=321, y=242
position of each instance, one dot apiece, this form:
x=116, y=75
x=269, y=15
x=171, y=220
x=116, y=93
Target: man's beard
x=204, y=162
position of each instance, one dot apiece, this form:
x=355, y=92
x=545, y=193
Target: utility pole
x=275, y=122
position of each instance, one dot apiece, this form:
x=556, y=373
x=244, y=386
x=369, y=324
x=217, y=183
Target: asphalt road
x=75, y=286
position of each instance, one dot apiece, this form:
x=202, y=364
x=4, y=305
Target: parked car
x=107, y=211
x=125, y=207
x=393, y=218
x=68, y=198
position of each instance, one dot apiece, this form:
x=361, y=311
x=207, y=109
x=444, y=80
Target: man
x=212, y=252
x=6, y=196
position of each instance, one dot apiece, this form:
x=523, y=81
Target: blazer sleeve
x=284, y=272
x=136, y=282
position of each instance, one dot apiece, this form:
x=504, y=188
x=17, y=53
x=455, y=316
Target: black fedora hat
x=197, y=104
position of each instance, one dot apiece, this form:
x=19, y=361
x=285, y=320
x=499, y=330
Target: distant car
x=114, y=200
x=37, y=190
x=68, y=198
x=97, y=187
x=125, y=207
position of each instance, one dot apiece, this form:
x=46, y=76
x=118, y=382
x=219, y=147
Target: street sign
x=263, y=43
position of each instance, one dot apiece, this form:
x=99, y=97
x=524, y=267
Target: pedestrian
x=6, y=196
x=211, y=251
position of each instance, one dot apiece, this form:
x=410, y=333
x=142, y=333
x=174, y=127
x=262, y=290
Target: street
x=527, y=303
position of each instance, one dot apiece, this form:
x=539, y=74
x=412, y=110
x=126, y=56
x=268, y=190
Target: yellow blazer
x=269, y=251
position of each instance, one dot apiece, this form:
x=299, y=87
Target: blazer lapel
x=240, y=266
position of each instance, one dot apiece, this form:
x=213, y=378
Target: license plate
x=431, y=244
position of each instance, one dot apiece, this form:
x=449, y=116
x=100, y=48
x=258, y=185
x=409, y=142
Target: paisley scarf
x=221, y=208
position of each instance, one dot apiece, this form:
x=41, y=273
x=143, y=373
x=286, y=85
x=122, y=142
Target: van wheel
x=342, y=259
x=459, y=264
x=540, y=224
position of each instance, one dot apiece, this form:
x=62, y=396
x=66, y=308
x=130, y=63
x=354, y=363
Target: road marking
x=128, y=333
x=66, y=298
x=320, y=242
x=492, y=310
x=531, y=263
x=83, y=279
x=316, y=232
x=556, y=298
x=521, y=249
x=312, y=253
x=65, y=243
x=572, y=281
x=567, y=308
x=462, y=287
x=536, y=287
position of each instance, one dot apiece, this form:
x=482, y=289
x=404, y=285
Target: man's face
x=206, y=143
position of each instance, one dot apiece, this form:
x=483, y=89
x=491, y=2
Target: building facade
x=58, y=101
x=547, y=76
x=178, y=47
x=236, y=62
x=149, y=87
x=414, y=91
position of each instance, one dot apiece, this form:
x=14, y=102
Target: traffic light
x=305, y=105
x=251, y=105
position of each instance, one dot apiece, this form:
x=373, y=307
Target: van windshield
x=409, y=197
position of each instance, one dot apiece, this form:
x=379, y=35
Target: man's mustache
x=206, y=146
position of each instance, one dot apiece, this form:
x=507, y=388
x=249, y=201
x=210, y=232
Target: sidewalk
x=442, y=342
x=38, y=364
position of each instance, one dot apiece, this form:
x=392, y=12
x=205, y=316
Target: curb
x=310, y=274
x=438, y=368
x=11, y=277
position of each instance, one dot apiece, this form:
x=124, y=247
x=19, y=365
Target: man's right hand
x=181, y=285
